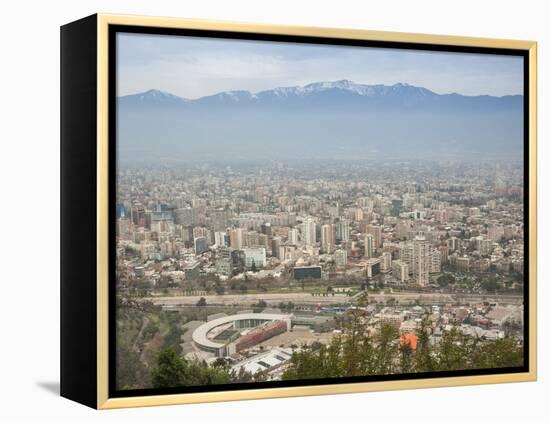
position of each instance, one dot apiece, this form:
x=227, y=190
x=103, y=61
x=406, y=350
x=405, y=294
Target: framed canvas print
x=253, y=211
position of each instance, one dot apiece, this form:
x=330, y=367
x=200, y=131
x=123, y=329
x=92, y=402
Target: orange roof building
x=409, y=338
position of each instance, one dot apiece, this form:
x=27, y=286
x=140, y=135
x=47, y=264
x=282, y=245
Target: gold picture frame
x=98, y=27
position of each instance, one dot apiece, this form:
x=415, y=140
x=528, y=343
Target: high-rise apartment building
x=308, y=232
x=400, y=271
x=328, y=238
x=236, y=238
x=386, y=260
x=369, y=246
x=376, y=231
x=342, y=230
x=421, y=260
x=293, y=236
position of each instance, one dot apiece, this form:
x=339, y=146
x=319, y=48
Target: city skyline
x=251, y=268
x=322, y=231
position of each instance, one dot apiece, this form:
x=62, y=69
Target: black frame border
x=113, y=30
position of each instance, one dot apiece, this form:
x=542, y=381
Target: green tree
x=454, y=351
x=506, y=352
x=169, y=370
x=406, y=357
x=242, y=376
x=357, y=352
x=306, y=364
x=131, y=372
x=386, y=349
x=424, y=360
x=200, y=374
x=446, y=279
x=490, y=283
x=259, y=306
x=356, y=338
x=149, y=331
x=173, y=338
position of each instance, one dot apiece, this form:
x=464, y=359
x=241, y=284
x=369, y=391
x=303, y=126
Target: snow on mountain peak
x=159, y=95
x=343, y=84
x=236, y=96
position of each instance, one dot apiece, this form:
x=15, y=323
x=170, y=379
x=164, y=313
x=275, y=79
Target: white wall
x=29, y=166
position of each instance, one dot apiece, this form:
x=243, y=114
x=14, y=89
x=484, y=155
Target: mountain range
x=330, y=119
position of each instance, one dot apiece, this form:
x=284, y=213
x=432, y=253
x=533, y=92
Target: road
x=306, y=298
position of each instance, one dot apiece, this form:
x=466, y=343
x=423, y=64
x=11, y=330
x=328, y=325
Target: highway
x=306, y=298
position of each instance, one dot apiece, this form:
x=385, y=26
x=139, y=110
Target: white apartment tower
x=421, y=260
x=293, y=237
x=308, y=232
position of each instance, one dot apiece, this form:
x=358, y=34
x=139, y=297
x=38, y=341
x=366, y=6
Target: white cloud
x=194, y=67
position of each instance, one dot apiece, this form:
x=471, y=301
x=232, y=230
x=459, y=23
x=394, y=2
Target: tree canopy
x=171, y=370
x=358, y=352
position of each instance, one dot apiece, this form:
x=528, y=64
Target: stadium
x=231, y=334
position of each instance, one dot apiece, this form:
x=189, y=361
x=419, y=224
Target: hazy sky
x=193, y=67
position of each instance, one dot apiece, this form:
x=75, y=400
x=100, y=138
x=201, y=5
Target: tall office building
x=369, y=246
x=276, y=247
x=373, y=267
x=376, y=231
x=396, y=206
x=200, y=245
x=137, y=215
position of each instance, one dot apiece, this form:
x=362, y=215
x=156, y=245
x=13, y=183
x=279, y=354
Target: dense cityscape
x=236, y=271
